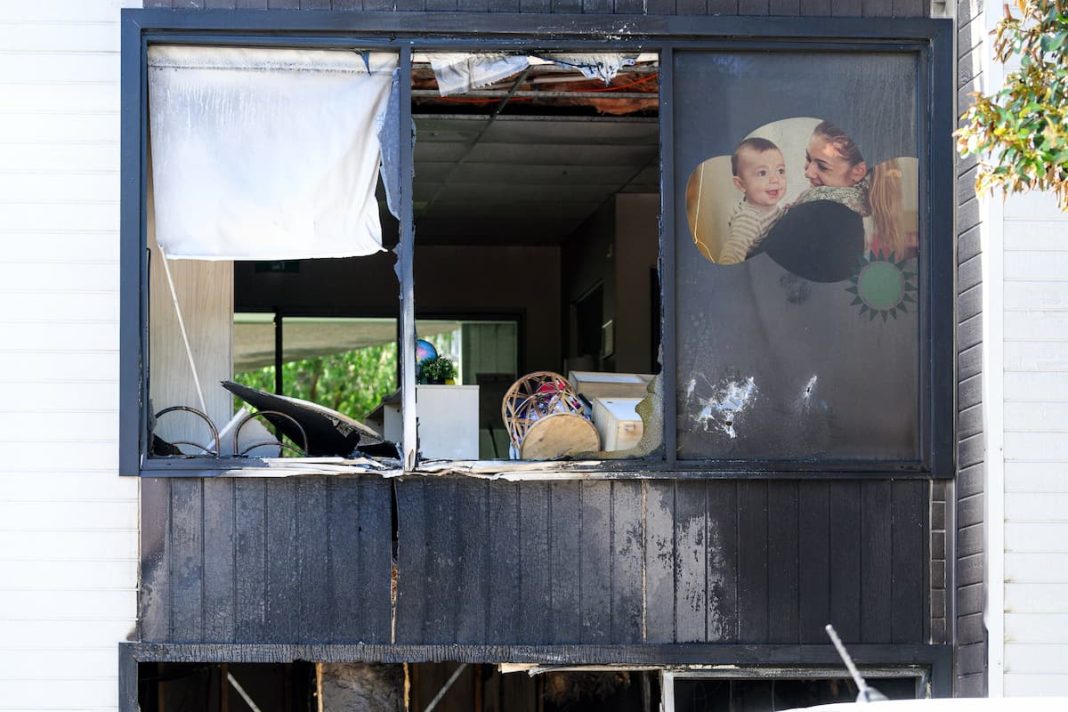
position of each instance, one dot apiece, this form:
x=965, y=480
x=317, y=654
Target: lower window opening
x=468, y=687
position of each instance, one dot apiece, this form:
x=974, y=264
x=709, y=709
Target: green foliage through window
x=1021, y=131
x=352, y=383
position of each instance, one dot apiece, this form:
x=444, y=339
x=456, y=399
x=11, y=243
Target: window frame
x=930, y=40
x=922, y=673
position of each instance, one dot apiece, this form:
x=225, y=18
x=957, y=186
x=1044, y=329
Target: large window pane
x=797, y=242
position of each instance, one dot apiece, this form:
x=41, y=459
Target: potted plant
x=438, y=370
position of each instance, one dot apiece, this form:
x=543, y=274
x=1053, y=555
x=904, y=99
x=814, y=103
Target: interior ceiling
x=518, y=166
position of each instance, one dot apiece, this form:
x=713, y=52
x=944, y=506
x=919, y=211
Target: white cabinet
x=448, y=422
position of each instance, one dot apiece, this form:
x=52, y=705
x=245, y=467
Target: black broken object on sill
x=324, y=431
x=320, y=431
x=162, y=448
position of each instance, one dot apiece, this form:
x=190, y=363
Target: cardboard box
x=595, y=384
x=617, y=422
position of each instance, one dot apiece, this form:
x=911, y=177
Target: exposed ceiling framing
x=492, y=169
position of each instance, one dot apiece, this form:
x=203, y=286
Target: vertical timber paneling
x=784, y=572
x=375, y=563
x=472, y=586
x=722, y=7
x=722, y=557
x=219, y=599
x=503, y=574
x=690, y=562
x=275, y=560
x=412, y=549
x=752, y=561
x=534, y=563
x=154, y=604
x=628, y=536
x=345, y=554
x=442, y=574
x=565, y=561
x=283, y=586
x=875, y=574
x=908, y=547
x=313, y=556
x=534, y=601
x=187, y=560
x=844, y=555
x=814, y=547
x=250, y=554
x=659, y=561
x=596, y=563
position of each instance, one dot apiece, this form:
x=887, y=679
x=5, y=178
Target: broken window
x=258, y=157
x=787, y=303
x=536, y=204
x=536, y=182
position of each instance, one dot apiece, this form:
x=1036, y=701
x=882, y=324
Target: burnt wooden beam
x=560, y=655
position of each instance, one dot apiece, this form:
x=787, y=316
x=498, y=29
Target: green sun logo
x=882, y=287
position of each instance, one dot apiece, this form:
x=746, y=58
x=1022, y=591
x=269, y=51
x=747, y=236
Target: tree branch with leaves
x=1020, y=132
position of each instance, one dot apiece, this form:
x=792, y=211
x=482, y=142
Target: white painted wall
x=68, y=522
x=1025, y=371
x=1035, y=427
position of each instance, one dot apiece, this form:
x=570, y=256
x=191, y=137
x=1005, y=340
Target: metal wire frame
x=280, y=442
x=200, y=414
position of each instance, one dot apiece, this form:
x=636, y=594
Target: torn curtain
x=266, y=154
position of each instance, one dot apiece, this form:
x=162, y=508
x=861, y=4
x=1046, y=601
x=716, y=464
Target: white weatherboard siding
x=1034, y=496
x=68, y=522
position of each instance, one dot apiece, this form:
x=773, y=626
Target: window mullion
x=667, y=252
x=405, y=257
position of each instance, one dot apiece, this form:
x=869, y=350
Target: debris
x=322, y=432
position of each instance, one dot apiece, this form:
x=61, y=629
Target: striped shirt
x=747, y=226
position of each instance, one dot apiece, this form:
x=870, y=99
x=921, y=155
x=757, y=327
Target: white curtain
x=266, y=154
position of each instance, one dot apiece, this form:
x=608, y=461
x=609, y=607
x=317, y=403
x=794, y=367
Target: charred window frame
x=929, y=41
x=915, y=681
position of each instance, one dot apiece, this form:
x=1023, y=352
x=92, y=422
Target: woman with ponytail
x=822, y=236
x=837, y=171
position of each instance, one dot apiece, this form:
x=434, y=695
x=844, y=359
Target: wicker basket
x=545, y=418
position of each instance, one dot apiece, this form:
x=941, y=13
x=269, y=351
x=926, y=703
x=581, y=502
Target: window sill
x=520, y=471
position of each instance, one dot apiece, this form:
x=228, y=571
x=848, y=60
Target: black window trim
x=931, y=40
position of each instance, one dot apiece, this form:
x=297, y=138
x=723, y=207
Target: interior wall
x=617, y=248
x=450, y=281
x=636, y=254
x=587, y=257
x=203, y=293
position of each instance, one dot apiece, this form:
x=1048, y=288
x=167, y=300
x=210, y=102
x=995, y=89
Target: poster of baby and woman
x=799, y=247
